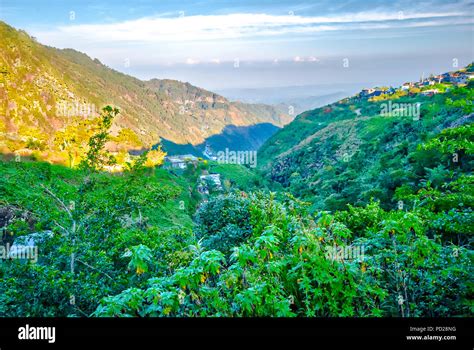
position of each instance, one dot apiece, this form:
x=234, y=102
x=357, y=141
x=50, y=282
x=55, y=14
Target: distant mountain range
x=295, y=99
x=42, y=88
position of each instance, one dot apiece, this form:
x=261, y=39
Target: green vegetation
x=331, y=157
x=283, y=269
x=98, y=217
x=223, y=223
x=352, y=212
x=237, y=176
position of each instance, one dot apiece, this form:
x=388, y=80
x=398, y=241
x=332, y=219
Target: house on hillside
x=446, y=78
x=407, y=86
x=180, y=161
x=460, y=78
x=174, y=163
x=366, y=92
x=378, y=91
x=430, y=92
x=438, y=79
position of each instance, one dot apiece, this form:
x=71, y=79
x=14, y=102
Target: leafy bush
x=223, y=222
x=109, y=215
x=283, y=269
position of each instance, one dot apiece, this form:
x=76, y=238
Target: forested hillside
x=351, y=152
x=44, y=90
x=92, y=233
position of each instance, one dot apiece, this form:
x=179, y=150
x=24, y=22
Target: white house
x=180, y=161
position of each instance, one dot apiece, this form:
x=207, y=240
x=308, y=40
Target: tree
x=74, y=139
x=127, y=139
x=97, y=157
x=223, y=222
x=155, y=157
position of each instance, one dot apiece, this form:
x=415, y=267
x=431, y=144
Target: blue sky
x=224, y=44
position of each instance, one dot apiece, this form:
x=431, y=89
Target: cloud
x=242, y=25
x=303, y=59
x=192, y=61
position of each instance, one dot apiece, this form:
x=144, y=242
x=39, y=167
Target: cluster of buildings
x=205, y=182
x=454, y=78
x=182, y=161
x=377, y=91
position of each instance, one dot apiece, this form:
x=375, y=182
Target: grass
x=238, y=175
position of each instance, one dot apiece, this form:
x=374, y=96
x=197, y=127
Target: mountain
x=305, y=103
x=43, y=88
x=236, y=138
x=295, y=98
x=365, y=147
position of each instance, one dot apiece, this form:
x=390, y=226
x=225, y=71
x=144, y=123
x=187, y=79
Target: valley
x=43, y=89
x=358, y=208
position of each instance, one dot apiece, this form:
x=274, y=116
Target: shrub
x=223, y=222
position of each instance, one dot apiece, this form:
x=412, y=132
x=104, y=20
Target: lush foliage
x=331, y=158
x=284, y=269
x=223, y=222
x=371, y=215
x=110, y=233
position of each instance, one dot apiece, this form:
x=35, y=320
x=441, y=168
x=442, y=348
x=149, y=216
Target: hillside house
x=376, y=92
x=180, y=161
x=366, y=92
x=407, y=86
x=446, y=78
x=430, y=92
x=459, y=78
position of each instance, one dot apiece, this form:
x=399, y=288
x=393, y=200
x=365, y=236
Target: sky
x=255, y=44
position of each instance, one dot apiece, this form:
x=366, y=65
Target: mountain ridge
x=42, y=88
